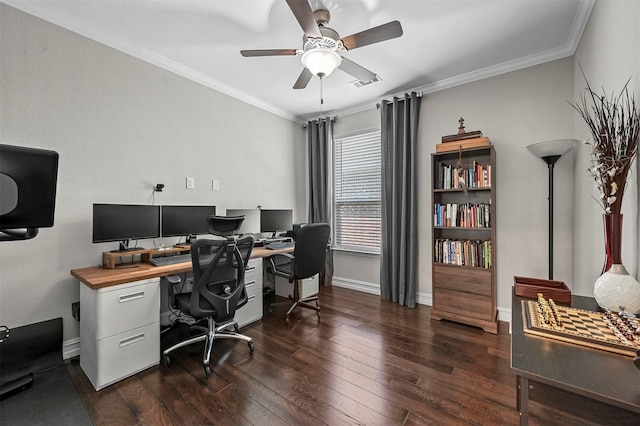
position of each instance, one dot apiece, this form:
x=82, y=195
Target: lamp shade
x=552, y=149
x=321, y=61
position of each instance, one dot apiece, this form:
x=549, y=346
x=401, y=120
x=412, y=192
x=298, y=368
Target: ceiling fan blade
x=268, y=52
x=303, y=13
x=377, y=34
x=303, y=80
x=358, y=71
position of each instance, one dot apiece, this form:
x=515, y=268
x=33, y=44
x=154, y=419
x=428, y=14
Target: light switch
x=191, y=182
x=215, y=185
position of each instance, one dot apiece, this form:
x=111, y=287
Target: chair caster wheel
x=236, y=328
x=166, y=361
x=250, y=344
x=207, y=370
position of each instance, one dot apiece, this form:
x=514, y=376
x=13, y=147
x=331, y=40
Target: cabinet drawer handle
x=250, y=284
x=132, y=296
x=131, y=340
x=249, y=268
x=251, y=298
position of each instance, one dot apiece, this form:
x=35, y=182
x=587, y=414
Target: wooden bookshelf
x=463, y=237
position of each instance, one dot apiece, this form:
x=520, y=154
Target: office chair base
x=305, y=303
x=209, y=337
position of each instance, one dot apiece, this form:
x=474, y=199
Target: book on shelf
x=476, y=142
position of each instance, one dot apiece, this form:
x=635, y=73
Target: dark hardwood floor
x=367, y=361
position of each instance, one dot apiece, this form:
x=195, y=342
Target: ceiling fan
x=322, y=47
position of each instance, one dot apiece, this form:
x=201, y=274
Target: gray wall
x=121, y=126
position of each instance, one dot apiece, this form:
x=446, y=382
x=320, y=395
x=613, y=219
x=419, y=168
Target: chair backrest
x=310, y=250
x=224, y=226
x=218, y=277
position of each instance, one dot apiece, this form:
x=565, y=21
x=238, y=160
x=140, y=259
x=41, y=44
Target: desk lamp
x=550, y=152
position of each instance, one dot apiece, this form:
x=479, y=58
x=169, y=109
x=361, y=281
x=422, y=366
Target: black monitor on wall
x=186, y=221
x=125, y=222
x=28, y=179
x=276, y=220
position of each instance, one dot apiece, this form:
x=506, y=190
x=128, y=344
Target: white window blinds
x=356, y=209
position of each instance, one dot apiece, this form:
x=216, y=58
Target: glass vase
x=615, y=289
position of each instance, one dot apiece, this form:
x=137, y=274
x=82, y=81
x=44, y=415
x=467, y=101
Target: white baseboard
x=71, y=348
x=373, y=288
x=363, y=286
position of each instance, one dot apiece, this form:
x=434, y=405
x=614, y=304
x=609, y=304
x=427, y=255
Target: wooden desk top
x=597, y=374
x=97, y=277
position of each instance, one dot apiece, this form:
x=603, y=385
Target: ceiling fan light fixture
x=321, y=61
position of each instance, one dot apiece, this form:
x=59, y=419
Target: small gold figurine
x=461, y=128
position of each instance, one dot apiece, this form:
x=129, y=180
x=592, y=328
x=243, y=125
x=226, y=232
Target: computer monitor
x=251, y=224
x=276, y=220
x=185, y=221
x=28, y=179
x=125, y=222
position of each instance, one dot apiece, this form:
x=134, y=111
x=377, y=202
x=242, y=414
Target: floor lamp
x=550, y=152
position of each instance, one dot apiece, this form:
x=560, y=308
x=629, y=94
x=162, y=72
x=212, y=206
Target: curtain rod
x=333, y=119
x=395, y=96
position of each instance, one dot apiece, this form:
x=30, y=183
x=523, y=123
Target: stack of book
x=465, y=140
x=474, y=253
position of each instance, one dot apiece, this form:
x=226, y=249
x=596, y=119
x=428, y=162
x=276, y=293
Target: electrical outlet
x=191, y=182
x=215, y=185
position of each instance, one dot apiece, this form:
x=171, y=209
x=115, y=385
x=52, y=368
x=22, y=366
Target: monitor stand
x=124, y=247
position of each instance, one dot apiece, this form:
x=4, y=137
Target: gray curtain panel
x=319, y=134
x=399, y=200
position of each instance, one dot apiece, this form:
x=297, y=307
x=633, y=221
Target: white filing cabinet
x=308, y=287
x=119, y=330
x=252, y=310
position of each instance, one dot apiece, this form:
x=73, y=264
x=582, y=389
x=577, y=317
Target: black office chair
x=306, y=261
x=218, y=288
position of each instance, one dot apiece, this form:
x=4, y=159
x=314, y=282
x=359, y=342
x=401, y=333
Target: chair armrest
x=273, y=258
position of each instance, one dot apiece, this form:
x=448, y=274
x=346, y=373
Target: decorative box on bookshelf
x=463, y=236
x=481, y=141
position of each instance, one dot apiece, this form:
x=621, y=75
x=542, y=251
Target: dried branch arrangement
x=614, y=123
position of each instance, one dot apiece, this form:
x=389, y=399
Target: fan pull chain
x=321, y=95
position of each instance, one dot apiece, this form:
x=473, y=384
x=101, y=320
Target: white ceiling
x=445, y=43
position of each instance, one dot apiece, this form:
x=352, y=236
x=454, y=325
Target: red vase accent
x=612, y=240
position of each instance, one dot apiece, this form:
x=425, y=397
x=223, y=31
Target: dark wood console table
x=596, y=385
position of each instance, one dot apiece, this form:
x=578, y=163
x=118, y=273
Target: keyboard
x=170, y=260
x=278, y=245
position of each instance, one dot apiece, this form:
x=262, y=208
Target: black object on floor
x=52, y=399
x=27, y=350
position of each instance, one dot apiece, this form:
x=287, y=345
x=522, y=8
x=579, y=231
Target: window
x=356, y=192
